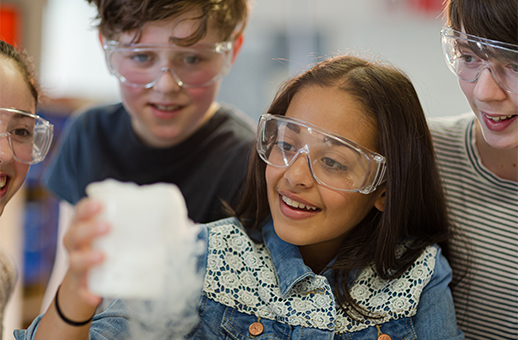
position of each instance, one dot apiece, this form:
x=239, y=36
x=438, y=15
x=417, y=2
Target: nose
x=167, y=82
x=486, y=88
x=6, y=152
x=299, y=173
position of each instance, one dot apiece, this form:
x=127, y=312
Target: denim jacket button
x=384, y=337
x=256, y=328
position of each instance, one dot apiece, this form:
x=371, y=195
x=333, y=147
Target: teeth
x=167, y=108
x=296, y=204
x=3, y=181
x=497, y=119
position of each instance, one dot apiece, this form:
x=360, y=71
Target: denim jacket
x=257, y=286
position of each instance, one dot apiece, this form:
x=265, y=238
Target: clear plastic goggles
x=140, y=65
x=334, y=161
x=29, y=135
x=467, y=55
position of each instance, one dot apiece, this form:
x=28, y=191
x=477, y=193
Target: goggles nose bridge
x=302, y=151
x=161, y=73
x=491, y=71
x=3, y=159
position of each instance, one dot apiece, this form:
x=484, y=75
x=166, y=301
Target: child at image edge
x=170, y=57
x=25, y=139
x=477, y=155
x=330, y=242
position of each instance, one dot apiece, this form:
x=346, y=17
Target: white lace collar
x=241, y=275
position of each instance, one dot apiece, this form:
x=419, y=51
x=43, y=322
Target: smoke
x=175, y=313
x=152, y=254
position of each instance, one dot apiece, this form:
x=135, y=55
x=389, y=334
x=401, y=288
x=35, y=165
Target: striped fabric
x=485, y=208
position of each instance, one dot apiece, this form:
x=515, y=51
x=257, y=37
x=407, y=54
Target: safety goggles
x=334, y=161
x=29, y=136
x=467, y=55
x=140, y=65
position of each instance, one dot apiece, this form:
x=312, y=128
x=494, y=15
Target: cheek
x=347, y=209
x=131, y=94
x=271, y=179
x=467, y=89
x=21, y=170
x=203, y=96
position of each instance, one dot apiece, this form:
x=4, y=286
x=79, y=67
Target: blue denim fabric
x=435, y=317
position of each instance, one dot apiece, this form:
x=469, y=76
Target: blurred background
x=283, y=37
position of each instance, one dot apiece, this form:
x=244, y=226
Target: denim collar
x=286, y=257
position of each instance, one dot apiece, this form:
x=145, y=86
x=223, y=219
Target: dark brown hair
x=415, y=209
x=229, y=17
x=24, y=64
x=490, y=19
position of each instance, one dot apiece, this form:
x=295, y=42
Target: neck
x=317, y=257
x=501, y=162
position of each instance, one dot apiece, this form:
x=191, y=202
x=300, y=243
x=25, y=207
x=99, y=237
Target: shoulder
x=231, y=118
x=391, y=299
x=7, y=279
x=228, y=137
x=107, y=114
x=450, y=125
x=226, y=231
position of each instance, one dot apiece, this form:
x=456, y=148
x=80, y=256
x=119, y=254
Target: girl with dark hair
x=336, y=236
x=24, y=140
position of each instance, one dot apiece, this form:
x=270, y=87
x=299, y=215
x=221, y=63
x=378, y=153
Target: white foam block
x=146, y=223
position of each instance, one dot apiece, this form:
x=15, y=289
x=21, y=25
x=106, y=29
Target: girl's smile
x=296, y=208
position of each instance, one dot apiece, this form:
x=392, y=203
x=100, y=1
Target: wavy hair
x=415, y=212
x=114, y=17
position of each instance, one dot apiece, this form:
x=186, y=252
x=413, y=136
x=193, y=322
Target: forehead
x=163, y=31
x=14, y=91
x=337, y=111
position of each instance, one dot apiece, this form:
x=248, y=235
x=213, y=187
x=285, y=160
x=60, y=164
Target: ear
x=380, y=200
x=101, y=38
x=236, y=47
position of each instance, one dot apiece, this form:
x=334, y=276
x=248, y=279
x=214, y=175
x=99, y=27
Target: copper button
x=256, y=329
x=384, y=337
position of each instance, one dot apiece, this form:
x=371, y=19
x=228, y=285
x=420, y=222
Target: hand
x=84, y=229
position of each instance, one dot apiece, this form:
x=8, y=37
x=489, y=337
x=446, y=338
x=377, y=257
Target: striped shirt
x=485, y=209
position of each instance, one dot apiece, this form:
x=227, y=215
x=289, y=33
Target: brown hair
x=415, y=211
x=119, y=16
x=24, y=64
x=490, y=19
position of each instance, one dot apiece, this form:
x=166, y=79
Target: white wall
x=297, y=30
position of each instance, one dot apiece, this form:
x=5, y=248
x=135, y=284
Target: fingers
x=84, y=229
x=85, y=226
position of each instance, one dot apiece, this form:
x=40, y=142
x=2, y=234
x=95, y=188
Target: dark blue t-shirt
x=208, y=167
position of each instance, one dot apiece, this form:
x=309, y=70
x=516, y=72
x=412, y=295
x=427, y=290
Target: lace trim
x=241, y=275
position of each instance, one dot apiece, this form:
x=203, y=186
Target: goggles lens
x=29, y=135
x=334, y=161
x=141, y=65
x=467, y=55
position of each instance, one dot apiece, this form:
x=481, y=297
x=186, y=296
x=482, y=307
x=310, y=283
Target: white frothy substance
x=151, y=256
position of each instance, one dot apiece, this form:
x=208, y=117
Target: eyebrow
x=293, y=127
x=483, y=50
x=333, y=141
x=16, y=117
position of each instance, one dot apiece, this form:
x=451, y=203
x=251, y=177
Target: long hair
x=24, y=65
x=114, y=17
x=490, y=19
x=415, y=209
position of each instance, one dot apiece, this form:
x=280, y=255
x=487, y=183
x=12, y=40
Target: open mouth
x=500, y=118
x=166, y=108
x=3, y=181
x=296, y=205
